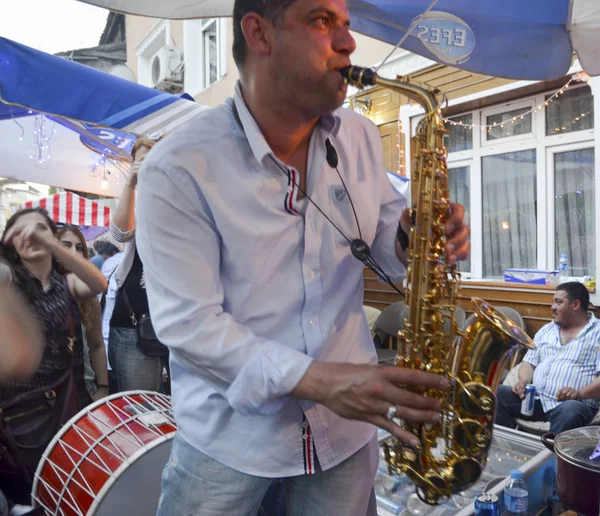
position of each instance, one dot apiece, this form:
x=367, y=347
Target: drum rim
x=69, y=424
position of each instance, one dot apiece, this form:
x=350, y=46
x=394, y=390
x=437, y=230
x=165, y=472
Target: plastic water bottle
x=516, y=495
x=563, y=266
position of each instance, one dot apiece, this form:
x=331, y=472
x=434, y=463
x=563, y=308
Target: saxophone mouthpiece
x=358, y=76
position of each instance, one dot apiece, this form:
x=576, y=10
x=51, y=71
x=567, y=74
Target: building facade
x=521, y=154
x=199, y=54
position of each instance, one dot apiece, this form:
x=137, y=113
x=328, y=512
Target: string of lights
x=515, y=118
x=42, y=134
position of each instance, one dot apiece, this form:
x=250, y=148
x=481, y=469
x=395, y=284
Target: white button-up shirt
x=575, y=365
x=247, y=286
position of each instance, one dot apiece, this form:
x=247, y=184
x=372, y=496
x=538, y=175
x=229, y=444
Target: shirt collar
x=330, y=125
x=593, y=321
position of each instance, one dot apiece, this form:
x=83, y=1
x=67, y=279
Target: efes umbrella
x=517, y=39
x=69, y=125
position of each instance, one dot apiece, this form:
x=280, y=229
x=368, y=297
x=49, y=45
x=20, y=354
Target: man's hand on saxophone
x=458, y=245
x=369, y=393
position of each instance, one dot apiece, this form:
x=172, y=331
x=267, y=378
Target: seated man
x=564, y=367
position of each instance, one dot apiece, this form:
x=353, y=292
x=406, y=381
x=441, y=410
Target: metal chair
x=388, y=324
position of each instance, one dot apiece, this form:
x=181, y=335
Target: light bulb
x=104, y=184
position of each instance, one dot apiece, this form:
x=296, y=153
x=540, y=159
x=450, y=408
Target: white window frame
x=550, y=192
x=528, y=104
x=196, y=64
x=545, y=146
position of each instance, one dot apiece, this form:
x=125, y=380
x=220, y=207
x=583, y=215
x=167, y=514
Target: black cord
x=351, y=203
x=365, y=257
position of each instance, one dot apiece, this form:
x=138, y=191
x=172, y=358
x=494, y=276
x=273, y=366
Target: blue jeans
x=568, y=415
x=134, y=371
x=193, y=484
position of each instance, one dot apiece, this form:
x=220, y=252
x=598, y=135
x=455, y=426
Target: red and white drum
x=108, y=459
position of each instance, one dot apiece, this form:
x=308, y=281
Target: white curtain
x=459, y=192
x=574, y=210
x=509, y=212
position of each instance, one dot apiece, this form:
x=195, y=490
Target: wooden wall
x=533, y=302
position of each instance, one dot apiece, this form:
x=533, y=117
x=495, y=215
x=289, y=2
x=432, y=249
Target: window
x=509, y=212
x=509, y=123
x=211, y=52
x=529, y=188
x=574, y=210
x=458, y=187
x=460, y=136
x=571, y=111
x=205, y=52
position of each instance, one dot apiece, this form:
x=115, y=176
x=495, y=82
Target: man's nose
x=344, y=41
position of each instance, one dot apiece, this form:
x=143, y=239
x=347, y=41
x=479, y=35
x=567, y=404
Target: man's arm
x=592, y=390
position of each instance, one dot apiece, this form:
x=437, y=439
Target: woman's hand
x=29, y=233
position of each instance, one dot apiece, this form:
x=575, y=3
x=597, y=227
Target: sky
x=52, y=25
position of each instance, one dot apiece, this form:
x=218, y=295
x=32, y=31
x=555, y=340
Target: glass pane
x=458, y=186
x=574, y=210
x=509, y=212
x=571, y=111
x=511, y=123
x=210, y=54
x=460, y=137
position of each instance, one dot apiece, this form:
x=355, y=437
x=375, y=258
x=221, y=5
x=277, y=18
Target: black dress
x=52, y=308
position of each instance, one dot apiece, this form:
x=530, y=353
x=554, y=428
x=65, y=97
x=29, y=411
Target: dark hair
x=97, y=244
x=20, y=273
x=576, y=291
x=272, y=10
x=108, y=248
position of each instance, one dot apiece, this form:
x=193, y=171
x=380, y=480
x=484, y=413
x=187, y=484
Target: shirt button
x=311, y=324
x=305, y=424
x=311, y=274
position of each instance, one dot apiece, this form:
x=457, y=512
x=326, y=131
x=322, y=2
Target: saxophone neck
x=361, y=77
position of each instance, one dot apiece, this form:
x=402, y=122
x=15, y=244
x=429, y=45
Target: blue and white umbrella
x=69, y=125
x=518, y=39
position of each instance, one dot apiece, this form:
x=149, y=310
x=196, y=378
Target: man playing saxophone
x=248, y=220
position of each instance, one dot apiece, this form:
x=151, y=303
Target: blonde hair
x=144, y=141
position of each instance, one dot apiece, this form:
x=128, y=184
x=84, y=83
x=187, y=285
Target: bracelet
x=101, y=386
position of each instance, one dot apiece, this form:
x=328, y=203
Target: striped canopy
x=69, y=208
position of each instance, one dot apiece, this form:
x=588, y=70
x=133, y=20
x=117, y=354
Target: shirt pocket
x=355, y=210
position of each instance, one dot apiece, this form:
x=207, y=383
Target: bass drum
x=108, y=459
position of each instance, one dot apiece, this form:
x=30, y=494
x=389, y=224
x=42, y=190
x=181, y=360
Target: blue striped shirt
x=576, y=364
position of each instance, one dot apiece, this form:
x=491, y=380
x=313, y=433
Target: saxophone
x=452, y=454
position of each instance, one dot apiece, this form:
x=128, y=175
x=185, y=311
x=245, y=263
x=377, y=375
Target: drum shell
x=95, y=449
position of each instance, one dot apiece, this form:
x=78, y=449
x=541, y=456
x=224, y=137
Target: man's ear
x=576, y=304
x=257, y=31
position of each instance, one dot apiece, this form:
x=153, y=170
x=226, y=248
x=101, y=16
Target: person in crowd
x=105, y=251
x=109, y=268
x=133, y=369
x=246, y=216
x=97, y=259
x=34, y=264
x=95, y=361
x=564, y=368
x=21, y=346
